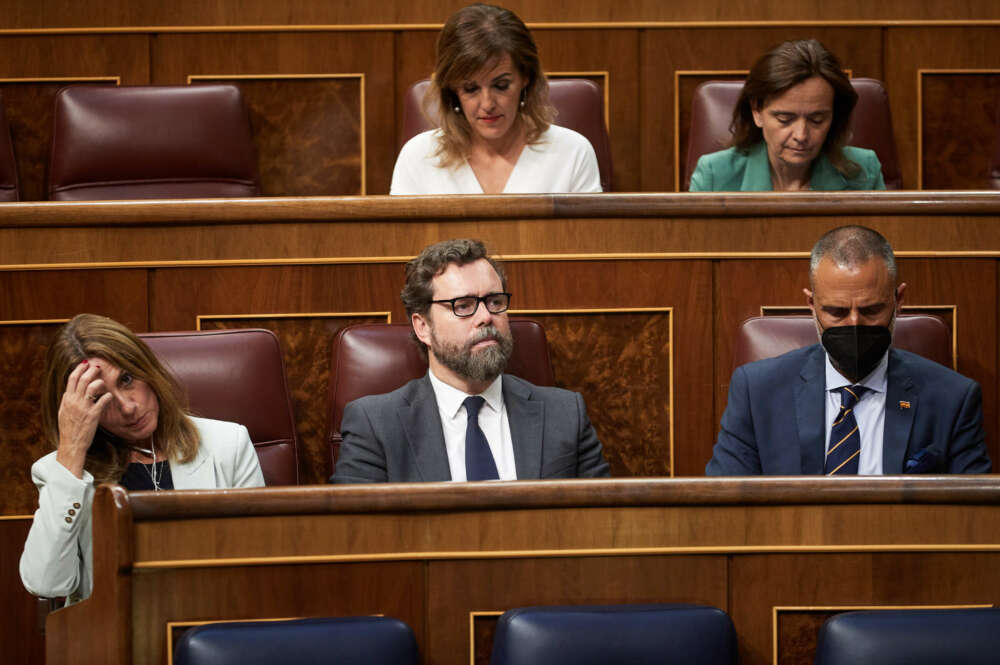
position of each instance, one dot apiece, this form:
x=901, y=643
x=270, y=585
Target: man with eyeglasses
x=465, y=419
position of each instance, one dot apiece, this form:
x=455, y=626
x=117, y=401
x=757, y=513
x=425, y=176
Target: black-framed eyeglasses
x=465, y=306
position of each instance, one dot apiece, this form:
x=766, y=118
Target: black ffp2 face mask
x=856, y=350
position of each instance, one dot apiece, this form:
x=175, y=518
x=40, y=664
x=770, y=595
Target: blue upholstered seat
x=344, y=641
x=609, y=634
x=911, y=637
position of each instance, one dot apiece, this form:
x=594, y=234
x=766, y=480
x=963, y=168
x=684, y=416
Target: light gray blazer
x=397, y=437
x=58, y=554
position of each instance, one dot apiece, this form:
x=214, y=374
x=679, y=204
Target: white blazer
x=58, y=554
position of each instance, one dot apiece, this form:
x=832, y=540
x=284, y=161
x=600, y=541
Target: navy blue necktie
x=479, y=464
x=845, y=440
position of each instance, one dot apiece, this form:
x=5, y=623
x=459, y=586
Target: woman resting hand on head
x=114, y=415
x=790, y=127
x=492, y=108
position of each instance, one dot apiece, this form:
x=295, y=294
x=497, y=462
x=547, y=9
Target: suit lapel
x=810, y=412
x=196, y=474
x=526, y=418
x=898, y=418
x=422, y=425
x=757, y=174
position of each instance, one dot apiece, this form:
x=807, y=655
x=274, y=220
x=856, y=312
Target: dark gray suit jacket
x=397, y=437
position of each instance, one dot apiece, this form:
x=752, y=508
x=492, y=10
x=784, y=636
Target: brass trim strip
x=631, y=310
x=117, y=80
x=16, y=517
x=341, y=260
x=31, y=322
x=288, y=315
x=472, y=630
x=362, y=137
x=171, y=564
x=574, y=25
x=851, y=608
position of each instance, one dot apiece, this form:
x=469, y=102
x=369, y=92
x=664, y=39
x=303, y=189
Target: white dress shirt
x=492, y=420
x=869, y=412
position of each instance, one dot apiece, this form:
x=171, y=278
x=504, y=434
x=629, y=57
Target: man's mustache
x=483, y=334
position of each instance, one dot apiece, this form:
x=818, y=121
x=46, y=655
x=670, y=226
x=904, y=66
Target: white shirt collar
x=877, y=380
x=450, y=399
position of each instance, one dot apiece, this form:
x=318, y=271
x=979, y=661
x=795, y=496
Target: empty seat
x=239, y=376
x=911, y=637
x=635, y=634
x=579, y=104
x=871, y=124
x=376, y=358
x=769, y=336
x=149, y=142
x=343, y=641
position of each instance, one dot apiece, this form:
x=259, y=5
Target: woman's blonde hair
x=472, y=39
x=93, y=336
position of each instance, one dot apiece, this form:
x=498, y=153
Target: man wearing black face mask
x=852, y=404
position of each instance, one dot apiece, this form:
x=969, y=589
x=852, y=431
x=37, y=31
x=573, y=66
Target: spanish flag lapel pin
x=904, y=405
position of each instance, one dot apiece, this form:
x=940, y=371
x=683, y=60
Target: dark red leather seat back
x=712, y=112
x=376, y=358
x=147, y=142
x=239, y=376
x=579, y=104
x=769, y=336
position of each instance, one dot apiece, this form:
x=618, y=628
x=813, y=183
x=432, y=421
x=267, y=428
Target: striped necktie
x=845, y=439
x=479, y=464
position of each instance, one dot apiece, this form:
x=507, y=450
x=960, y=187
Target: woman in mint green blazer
x=790, y=127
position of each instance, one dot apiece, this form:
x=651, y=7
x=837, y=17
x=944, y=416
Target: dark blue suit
x=774, y=421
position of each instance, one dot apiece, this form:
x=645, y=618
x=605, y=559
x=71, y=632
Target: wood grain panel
x=959, y=115
x=20, y=631
x=395, y=590
x=664, y=51
x=907, y=51
x=308, y=132
x=305, y=345
x=603, y=356
x=457, y=588
x=684, y=286
x=743, y=287
x=177, y=56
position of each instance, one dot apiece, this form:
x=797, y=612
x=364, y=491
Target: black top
x=137, y=477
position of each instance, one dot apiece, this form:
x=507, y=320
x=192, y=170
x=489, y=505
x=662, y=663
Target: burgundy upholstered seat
x=579, y=104
x=376, y=358
x=769, y=336
x=712, y=113
x=151, y=142
x=239, y=376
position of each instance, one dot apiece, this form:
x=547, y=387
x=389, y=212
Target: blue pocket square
x=923, y=460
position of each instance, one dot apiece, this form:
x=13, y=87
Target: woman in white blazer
x=113, y=413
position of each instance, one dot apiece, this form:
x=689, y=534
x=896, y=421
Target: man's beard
x=483, y=365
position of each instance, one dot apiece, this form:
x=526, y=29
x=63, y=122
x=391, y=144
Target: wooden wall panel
x=19, y=631
x=664, y=51
x=65, y=13
x=177, y=56
x=743, y=287
x=308, y=132
x=909, y=50
x=458, y=588
x=958, y=121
